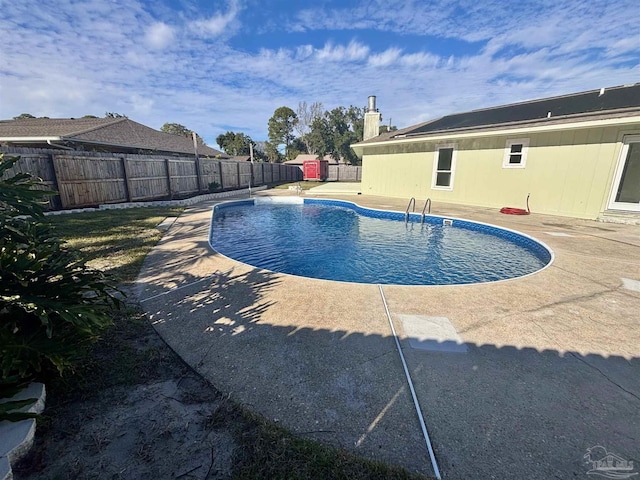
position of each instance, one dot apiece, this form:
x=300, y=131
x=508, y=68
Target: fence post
x=56, y=174
x=125, y=172
x=221, y=175
x=197, y=161
x=199, y=176
x=55, y=179
x=169, y=186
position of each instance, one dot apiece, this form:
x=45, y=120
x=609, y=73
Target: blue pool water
x=340, y=241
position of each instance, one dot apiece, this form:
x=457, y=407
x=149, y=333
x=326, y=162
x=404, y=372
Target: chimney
x=372, y=119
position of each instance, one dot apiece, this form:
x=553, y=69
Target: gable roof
x=112, y=133
x=604, y=103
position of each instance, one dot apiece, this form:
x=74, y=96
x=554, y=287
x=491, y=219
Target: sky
x=215, y=66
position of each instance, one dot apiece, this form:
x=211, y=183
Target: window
x=515, y=153
x=444, y=165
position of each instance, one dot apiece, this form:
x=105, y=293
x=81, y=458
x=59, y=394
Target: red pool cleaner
x=516, y=211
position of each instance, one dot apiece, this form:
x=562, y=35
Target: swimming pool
x=338, y=240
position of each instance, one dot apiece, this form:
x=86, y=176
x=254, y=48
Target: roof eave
x=619, y=113
x=90, y=142
x=556, y=123
x=133, y=147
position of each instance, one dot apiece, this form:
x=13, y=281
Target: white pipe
x=58, y=146
x=434, y=464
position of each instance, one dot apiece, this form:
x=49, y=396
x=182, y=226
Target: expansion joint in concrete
x=604, y=375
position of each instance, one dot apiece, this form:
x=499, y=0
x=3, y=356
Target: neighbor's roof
x=113, y=132
x=608, y=102
x=308, y=156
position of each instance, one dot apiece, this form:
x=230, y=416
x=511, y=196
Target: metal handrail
x=406, y=214
x=427, y=203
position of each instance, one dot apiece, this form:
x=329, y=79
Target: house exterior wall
x=567, y=172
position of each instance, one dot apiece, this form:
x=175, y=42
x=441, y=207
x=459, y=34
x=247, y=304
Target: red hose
x=516, y=211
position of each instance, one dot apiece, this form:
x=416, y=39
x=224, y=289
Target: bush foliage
x=51, y=302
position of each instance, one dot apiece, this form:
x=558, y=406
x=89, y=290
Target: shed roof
x=109, y=132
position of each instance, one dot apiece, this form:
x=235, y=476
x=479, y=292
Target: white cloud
x=217, y=24
x=141, y=104
x=386, y=58
x=69, y=60
x=420, y=59
x=339, y=53
x=159, y=35
x=304, y=51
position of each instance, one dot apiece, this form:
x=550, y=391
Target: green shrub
x=214, y=187
x=51, y=303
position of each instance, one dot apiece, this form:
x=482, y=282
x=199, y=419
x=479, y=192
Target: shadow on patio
x=494, y=412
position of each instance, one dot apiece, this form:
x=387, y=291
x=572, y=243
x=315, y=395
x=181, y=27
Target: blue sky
x=215, y=66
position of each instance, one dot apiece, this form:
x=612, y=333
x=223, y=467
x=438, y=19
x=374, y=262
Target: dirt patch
x=160, y=419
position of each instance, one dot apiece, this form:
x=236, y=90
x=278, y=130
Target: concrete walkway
x=551, y=368
x=336, y=188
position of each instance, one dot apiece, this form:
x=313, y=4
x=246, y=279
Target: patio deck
x=552, y=364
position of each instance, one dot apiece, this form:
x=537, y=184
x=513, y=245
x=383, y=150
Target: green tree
x=176, y=129
x=335, y=131
x=272, y=153
x=89, y=116
x=320, y=138
x=23, y=115
x=281, y=126
x=235, y=143
x=347, y=126
x=259, y=151
x=296, y=147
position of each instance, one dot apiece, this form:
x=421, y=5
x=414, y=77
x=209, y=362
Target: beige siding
x=567, y=173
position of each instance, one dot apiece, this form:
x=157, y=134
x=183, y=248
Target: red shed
x=315, y=169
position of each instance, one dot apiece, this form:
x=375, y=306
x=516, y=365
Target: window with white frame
x=444, y=166
x=515, y=153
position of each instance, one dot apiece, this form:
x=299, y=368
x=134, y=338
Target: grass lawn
x=306, y=185
x=115, y=241
x=130, y=355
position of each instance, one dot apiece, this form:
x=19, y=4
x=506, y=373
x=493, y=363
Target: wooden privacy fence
x=344, y=173
x=88, y=178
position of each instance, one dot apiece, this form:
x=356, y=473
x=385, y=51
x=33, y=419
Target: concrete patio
x=552, y=365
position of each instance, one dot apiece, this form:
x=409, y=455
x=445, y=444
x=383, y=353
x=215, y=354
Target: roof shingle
x=114, y=132
x=564, y=108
